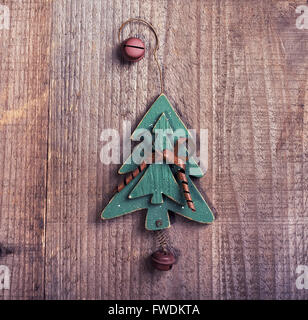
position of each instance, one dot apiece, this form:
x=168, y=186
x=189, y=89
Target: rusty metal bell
x=163, y=260
x=133, y=49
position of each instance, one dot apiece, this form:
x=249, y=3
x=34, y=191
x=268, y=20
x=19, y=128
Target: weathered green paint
x=156, y=189
x=120, y=205
x=159, y=107
x=158, y=178
x=162, y=141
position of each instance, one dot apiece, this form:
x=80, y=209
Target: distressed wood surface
x=242, y=63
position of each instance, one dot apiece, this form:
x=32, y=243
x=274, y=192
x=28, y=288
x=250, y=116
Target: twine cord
x=155, y=49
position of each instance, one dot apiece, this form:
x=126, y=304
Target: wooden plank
x=237, y=74
x=24, y=90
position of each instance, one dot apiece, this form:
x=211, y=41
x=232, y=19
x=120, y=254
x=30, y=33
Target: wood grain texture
x=242, y=63
x=24, y=92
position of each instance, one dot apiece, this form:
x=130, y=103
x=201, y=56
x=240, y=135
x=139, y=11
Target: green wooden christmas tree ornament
x=157, y=187
x=157, y=174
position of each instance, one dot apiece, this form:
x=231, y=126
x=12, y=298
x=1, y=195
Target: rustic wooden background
x=235, y=67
